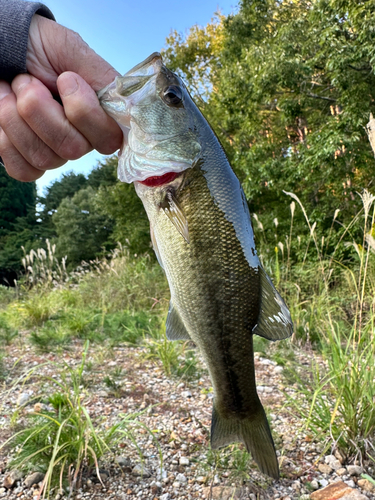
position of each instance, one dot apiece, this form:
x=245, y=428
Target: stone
x=333, y=491
x=166, y=496
x=333, y=462
x=341, y=471
x=325, y=468
x=140, y=470
x=354, y=470
x=34, y=478
x=201, y=479
x=314, y=484
x=366, y=485
x=11, y=478
x=123, y=461
x=23, y=398
x=220, y=493
x=354, y=495
x=181, y=478
x=184, y=461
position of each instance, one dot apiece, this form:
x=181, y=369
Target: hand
x=36, y=132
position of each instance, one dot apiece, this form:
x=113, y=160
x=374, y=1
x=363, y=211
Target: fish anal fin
x=254, y=432
x=175, y=328
x=274, y=321
x=175, y=214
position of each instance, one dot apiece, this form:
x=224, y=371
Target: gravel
x=179, y=415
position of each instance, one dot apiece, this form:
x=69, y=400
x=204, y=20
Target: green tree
x=292, y=84
x=82, y=230
x=121, y=204
x=17, y=224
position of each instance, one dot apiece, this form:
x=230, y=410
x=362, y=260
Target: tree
x=17, y=223
x=293, y=85
x=83, y=231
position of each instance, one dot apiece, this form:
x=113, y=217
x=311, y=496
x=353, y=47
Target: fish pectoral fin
x=175, y=214
x=175, y=328
x=254, y=432
x=274, y=321
x=155, y=247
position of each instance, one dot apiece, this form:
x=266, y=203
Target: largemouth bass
x=203, y=238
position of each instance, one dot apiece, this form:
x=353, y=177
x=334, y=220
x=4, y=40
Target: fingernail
x=4, y=91
x=19, y=82
x=67, y=85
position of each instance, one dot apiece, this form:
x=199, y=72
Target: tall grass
x=332, y=304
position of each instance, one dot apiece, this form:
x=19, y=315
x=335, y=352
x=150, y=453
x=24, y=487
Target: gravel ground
x=179, y=414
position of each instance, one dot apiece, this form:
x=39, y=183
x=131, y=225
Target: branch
x=315, y=96
x=370, y=129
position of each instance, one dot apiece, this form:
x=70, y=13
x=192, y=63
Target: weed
x=49, y=337
x=7, y=333
x=178, y=359
x=61, y=440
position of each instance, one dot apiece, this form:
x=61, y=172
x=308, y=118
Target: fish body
x=203, y=238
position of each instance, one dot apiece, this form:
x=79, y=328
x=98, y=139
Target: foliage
x=293, y=88
x=61, y=440
x=178, y=359
x=17, y=223
x=82, y=231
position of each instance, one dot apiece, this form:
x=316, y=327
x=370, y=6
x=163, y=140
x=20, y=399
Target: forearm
x=15, y=19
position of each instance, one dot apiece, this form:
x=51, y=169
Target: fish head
x=158, y=119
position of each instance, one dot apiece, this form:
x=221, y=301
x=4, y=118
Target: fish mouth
x=125, y=86
x=159, y=180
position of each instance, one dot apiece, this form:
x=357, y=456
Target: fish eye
x=172, y=95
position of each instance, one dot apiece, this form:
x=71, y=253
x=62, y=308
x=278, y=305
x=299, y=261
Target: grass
x=337, y=315
x=60, y=439
x=330, y=290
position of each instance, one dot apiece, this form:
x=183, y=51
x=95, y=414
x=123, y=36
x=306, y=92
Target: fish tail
x=254, y=432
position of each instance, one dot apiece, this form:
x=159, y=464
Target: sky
x=124, y=32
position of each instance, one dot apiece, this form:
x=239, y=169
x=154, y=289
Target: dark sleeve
x=15, y=19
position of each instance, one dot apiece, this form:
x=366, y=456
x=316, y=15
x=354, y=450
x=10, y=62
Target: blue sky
x=124, y=33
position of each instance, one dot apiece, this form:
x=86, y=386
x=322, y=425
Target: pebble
x=354, y=470
x=34, y=478
x=166, y=496
x=325, y=468
x=314, y=484
x=11, y=478
x=184, y=461
x=366, y=485
x=140, y=470
x=123, y=461
x=23, y=398
x=181, y=478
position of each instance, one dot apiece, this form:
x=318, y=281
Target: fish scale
x=202, y=236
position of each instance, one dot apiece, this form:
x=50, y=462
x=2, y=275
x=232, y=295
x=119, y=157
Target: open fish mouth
x=137, y=101
x=118, y=97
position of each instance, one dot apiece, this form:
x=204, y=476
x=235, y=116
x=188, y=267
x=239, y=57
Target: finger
x=47, y=119
x=83, y=110
x=54, y=49
x=15, y=164
x=28, y=144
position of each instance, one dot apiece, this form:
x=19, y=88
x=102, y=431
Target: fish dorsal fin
x=175, y=328
x=175, y=214
x=274, y=321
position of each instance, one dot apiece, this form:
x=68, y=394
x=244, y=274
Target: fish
x=202, y=236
